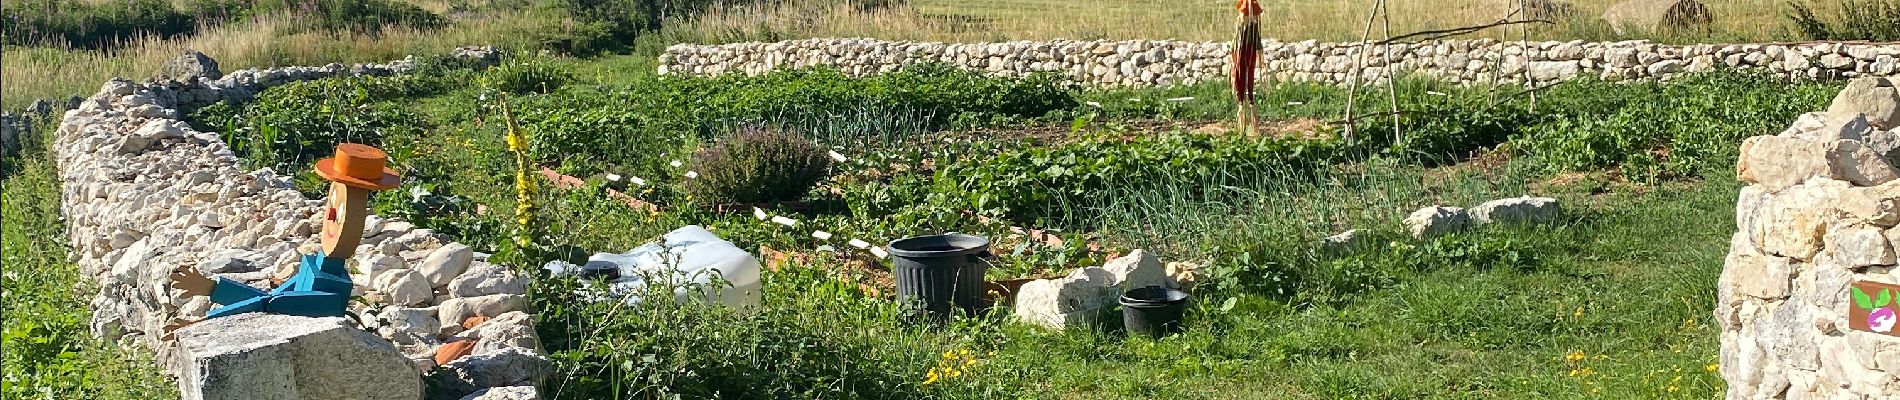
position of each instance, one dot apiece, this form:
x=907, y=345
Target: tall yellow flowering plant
x=526, y=232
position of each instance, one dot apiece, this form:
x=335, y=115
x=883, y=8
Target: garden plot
x=1590, y=303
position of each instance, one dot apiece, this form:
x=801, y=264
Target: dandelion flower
x=1574, y=356
x=1713, y=367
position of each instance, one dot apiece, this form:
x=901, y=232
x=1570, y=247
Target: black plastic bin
x=1153, y=311
x=936, y=271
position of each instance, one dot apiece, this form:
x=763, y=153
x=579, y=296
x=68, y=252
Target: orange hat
x=1247, y=7
x=359, y=166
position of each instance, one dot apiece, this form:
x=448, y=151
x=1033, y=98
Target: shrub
x=1874, y=20
x=757, y=166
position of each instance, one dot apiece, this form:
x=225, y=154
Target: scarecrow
x=320, y=286
x=1246, y=60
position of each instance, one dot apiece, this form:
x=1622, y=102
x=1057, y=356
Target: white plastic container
x=690, y=258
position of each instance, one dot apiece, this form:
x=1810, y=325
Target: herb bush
x=757, y=166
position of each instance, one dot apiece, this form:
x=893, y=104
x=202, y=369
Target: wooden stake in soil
x=1358, y=68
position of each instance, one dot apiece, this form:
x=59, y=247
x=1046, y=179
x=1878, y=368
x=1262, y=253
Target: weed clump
x=527, y=76
x=757, y=166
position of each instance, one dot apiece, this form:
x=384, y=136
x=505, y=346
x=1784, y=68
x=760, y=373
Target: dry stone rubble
x=1106, y=63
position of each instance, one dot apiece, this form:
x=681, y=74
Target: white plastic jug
x=690, y=258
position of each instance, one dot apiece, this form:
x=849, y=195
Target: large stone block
x=1067, y=302
x=1877, y=98
x=260, y=356
x=1778, y=162
x=1525, y=209
x=1433, y=221
x=510, y=367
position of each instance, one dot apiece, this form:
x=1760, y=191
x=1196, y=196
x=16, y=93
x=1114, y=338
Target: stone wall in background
x=1819, y=212
x=1169, y=62
x=144, y=193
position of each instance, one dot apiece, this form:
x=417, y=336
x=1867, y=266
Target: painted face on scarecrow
x=356, y=171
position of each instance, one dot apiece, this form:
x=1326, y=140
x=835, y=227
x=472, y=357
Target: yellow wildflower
x=1713, y=367
x=1574, y=356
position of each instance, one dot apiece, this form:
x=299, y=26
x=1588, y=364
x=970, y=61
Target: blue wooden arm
x=320, y=288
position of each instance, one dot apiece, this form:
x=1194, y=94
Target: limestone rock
x=1877, y=98
x=262, y=356
x=1849, y=160
x=1524, y=209
x=1777, y=162
x=404, y=287
x=506, y=393
x=152, y=132
x=409, y=325
x=486, y=279
x=1343, y=242
x=190, y=66
x=1856, y=246
x=446, y=263
x=1653, y=15
x=458, y=309
x=510, y=367
x=511, y=329
x=1790, y=223
x=1136, y=270
x=1075, y=300
x=1433, y=221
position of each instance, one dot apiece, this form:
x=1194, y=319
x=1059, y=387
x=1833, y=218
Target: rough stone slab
x=1525, y=210
x=259, y=356
x=1434, y=221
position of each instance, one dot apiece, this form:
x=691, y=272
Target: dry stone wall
x=1819, y=212
x=1171, y=62
x=144, y=193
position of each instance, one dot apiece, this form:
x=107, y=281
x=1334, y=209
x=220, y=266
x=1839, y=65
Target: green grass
x=1591, y=307
x=50, y=352
x=1492, y=313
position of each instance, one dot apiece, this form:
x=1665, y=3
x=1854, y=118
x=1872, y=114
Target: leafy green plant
x=1653, y=130
x=757, y=166
x=1039, y=183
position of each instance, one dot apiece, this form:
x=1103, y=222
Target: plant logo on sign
x=1874, y=307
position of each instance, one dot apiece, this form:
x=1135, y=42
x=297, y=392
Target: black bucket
x=936, y=271
x=1153, y=311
